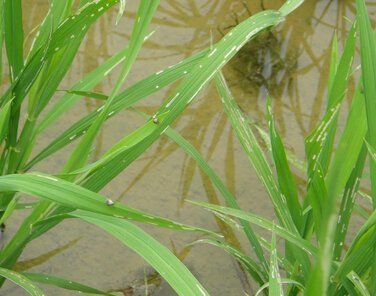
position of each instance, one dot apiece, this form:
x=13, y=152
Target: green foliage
x=35, y=77
x=317, y=221
x=313, y=222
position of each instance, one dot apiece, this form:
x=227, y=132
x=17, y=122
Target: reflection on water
x=290, y=63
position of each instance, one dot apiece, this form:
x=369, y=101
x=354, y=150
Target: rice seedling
x=319, y=256
x=72, y=192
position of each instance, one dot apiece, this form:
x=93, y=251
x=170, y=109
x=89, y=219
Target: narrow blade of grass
x=142, y=20
x=121, y=10
x=286, y=182
x=275, y=285
x=4, y=120
x=221, y=53
x=62, y=283
x=73, y=196
x=249, y=264
x=360, y=256
x=131, y=95
x=158, y=256
x=21, y=281
x=88, y=94
x=334, y=60
x=263, y=223
x=14, y=36
x=77, y=23
x=254, y=153
x=347, y=204
x=319, y=143
x=358, y=283
x=229, y=198
x=345, y=159
x=289, y=6
x=58, y=11
x=368, y=63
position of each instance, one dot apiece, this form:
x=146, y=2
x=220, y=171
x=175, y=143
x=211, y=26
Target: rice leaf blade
x=14, y=36
x=264, y=223
x=289, y=6
x=188, y=89
x=368, y=64
x=358, y=283
x=125, y=99
x=254, y=153
x=275, y=285
x=333, y=62
x=158, y=256
x=347, y=204
x=62, y=283
x=249, y=264
x=345, y=159
x=286, y=180
x=21, y=281
x=72, y=196
x=229, y=198
x=4, y=119
x=143, y=18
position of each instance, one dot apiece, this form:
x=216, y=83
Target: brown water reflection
x=290, y=63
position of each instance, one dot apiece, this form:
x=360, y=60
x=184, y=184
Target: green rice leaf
x=122, y=146
x=4, y=119
x=261, y=166
x=74, y=25
x=344, y=161
x=368, y=63
x=291, y=157
x=221, y=53
x=131, y=95
x=140, y=30
x=84, y=85
x=286, y=182
x=338, y=87
x=252, y=267
x=8, y=210
x=263, y=223
x=14, y=36
x=358, y=283
x=283, y=281
x=275, y=285
x=121, y=10
x=289, y=6
x=158, y=256
x=58, y=11
x=229, y=198
x=73, y=196
x=334, y=60
x=347, y=204
x=348, y=149
x=360, y=256
x=62, y=283
x=254, y=153
x=88, y=94
x=21, y=281
x=319, y=143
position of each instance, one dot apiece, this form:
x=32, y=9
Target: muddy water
x=291, y=64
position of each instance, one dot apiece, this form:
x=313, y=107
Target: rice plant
x=27, y=109
x=319, y=256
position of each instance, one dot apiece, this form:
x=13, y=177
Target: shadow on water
x=290, y=63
